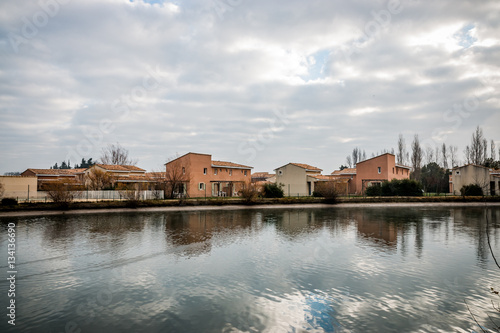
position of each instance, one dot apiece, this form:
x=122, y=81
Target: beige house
x=18, y=187
x=48, y=176
x=297, y=179
x=488, y=179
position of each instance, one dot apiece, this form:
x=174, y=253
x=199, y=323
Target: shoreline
x=21, y=213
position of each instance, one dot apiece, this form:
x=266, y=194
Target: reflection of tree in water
x=194, y=233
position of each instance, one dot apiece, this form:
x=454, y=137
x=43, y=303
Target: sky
x=260, y=83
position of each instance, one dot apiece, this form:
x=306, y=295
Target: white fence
x=98, y=196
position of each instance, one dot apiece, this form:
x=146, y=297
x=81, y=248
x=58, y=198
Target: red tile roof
x=55, y=172
x=346, y=171
x=307, y=167
x=230, y=165
x=120, y=167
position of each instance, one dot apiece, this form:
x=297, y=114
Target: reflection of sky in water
x=303, y=270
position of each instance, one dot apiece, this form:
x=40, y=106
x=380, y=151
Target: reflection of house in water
x=193, y=233
x=293, y=223
x=378, y=230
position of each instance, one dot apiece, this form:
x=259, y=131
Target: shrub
x=249, y=194
x=327, y=190
x=9, y=202
x=273, y=191
x=61, y=193
x=471, y=190
x=396, y=187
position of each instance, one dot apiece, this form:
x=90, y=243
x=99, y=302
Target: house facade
x=486, y=178
x=200, y=176
x=377, y=169
x=297, y=179
x=47, y=176
x=121, y=175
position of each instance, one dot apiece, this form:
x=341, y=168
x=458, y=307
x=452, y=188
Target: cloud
x=226, y=64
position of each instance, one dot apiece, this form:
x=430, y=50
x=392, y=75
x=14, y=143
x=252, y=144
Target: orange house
x=377, y=169
x=203, y=177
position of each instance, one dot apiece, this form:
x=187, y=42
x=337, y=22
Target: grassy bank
x=235, y=201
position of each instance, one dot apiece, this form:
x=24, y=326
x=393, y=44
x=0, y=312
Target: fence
x=42, y=196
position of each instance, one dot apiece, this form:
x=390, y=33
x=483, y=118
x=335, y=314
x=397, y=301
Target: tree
x=453, y=155
x=402, y=155
x=342, y=167
x=493, y=152
x=116, y=155
x=176, y=180
x=348, y=161
x=273, y=191
x=328, y=190
x=416, y=157
x=429, y=155
x=97, y=180
x=444, y=156
x=476, y=152
x=61, y=192
x=2, y=190
x=356, y=156
x=434, y=178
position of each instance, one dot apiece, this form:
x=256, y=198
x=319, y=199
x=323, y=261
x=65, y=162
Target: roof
x=186, y=155
x=346, y=171
x=303, y=166
x=55, y=172
x=120, y=167
x=262, y=175
x=403, y=166
x=371, y=158
x=322, y=177
x=230, y=165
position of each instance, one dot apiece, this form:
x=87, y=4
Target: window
x=280, y=172
x=204, y=171
x=392, y=170
x=215, y=171
x=230, y=172
x=245, y=173
x=183, y=170
x=201, y=186
x=457, y=172
x=379, y=170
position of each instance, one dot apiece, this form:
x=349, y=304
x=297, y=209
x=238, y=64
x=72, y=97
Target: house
x=297, y=178
x=19, y=187
x=121, y=175
x=197, y=175
x=47, y=176
x=488, y=179
x=372, y=171
x=348, y=177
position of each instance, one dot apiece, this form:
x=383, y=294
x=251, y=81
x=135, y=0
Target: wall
x=368, y=170
x=19, y=186
x=294, y=179
x=471, y=174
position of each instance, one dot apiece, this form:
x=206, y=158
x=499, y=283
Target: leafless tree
x=401, y=159
x=348, y=161
x=453, y=155
x=356, y=156
x=363, y=156
x=429, y=155
x=97, y=179
x=437, y=154
x=61, y=192
x=176, y=179
x=493, y=151
x=116, y=155
x=1, y=190
x=444, y=151
x=476, y=152
x=416, y=157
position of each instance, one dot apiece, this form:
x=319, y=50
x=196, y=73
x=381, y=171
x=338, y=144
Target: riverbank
x=34, y=209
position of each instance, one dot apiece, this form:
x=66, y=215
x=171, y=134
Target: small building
x=47, y=176
x=297, y=179
x=19, y=187
x=486, y=178
x=197, y=175
x=348, y=177
x=120, y=174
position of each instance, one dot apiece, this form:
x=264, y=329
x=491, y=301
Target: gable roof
x=55, y=172
x=123, y=168
x=307, y=167
x=230, y=165
x=346, y=171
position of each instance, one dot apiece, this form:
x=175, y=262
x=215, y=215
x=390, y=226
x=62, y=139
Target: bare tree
x=444, y=151
x=416, y=157
x=176, y=179
x=363, y=156
x=61, y=192
x=437, y=154
x=453, y=155
x=401, y=159
x=116, y=155
x=493, y=151
x=97, y=179
x=348, y=161
x=356, y=156
x=429, y=155
x=1, y=190
x=475, y=153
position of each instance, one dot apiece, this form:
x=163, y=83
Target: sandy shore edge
x=237, y=207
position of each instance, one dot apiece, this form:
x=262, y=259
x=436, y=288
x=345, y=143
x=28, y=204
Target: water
x=270, y=270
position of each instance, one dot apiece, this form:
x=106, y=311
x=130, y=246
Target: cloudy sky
x=261, y=83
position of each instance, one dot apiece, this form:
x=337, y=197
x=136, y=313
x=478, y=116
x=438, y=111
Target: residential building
x=121, y=175
x=297, y=179
x=346, y=176
x=47, y=176
x=19, y=187
x=372, y=171
x=488, y=179
x=197, y=175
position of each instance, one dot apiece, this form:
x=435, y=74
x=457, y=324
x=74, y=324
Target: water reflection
x=272, y=270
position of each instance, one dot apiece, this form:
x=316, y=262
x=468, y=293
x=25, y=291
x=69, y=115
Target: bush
x=396, y=187
x=9, y=202
x=273, y=191
x=61, y=193
x=249, y=193
x=471, y=190
x=327, y=190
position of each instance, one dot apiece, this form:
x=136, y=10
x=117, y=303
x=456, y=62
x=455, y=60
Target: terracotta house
x=46, y=176
x=200, y=176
